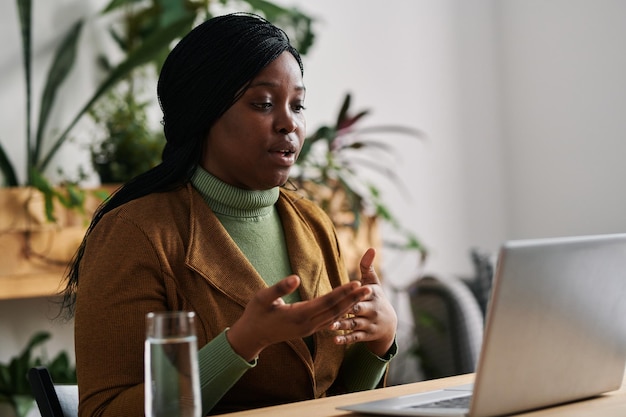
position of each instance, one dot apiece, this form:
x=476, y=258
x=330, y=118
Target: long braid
x=205, y=73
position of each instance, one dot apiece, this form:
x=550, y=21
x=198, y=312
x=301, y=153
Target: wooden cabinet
x=34, y=253
x=30, y=286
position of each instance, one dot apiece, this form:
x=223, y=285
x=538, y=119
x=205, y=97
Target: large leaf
x=40, y=182
x=61, y=65
x=172, y=11
x=14, y=374
x=24, y=8
x=141, y=21
x=14, y=386
x=270, y=10
x=287, y=18
x=7, y=170
x=343, y=111
x=61, y=369
x=144, y=54
x=37, y=339
x=23, y=404
x=402, y=130
x=114, y=4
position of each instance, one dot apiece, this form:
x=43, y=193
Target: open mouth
x=284, y=157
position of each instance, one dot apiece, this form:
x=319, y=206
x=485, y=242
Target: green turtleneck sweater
x=251, y=219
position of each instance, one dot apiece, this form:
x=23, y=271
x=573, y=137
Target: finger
x=358, y=315
x=351, y=337
x=359, y=308
x=349, y=323
x=285, y=286
x=368, y=273
x=339, y=302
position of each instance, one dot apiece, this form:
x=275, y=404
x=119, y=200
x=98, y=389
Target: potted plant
x=43, y=142
x=145, y=37
x=39, y=234
x=328, y=172
x=326, y=169
x=14, y=387
x=128, y=145
x=27, y=229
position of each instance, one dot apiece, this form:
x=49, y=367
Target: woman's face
x=256, y=142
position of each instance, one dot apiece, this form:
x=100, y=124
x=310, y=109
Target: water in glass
x=172, y=377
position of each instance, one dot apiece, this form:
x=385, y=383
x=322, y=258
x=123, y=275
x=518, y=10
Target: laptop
x=555, y=332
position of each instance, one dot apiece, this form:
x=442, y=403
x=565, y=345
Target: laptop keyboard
x=458, y=402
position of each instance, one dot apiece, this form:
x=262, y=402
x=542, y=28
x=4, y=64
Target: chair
x=448, y=325
x=52, y=400
x=449, y=315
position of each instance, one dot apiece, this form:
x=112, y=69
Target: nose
x=286, y=122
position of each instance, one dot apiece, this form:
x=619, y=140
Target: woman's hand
x=268, y=320
x=372, y=320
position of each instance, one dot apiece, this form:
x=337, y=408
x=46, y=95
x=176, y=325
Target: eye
x=298, y=107
x=262, y=106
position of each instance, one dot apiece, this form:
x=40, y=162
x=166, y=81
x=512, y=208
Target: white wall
x=521, y=100
x=563, y=103
x=421, y=64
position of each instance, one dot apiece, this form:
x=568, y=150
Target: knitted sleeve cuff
x=364, y=370
x=220, y=368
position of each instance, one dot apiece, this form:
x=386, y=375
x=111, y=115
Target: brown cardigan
x=168, y=251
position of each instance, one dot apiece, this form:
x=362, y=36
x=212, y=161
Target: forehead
x=283, y=71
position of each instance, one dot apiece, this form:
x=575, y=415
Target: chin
x=280, y=180
x=269, y=185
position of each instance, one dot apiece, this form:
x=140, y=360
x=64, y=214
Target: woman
x=211, y=230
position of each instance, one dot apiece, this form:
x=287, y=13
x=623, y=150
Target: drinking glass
x=172, y=380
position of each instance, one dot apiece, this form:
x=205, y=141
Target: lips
x=284, y=154
x=284, y=147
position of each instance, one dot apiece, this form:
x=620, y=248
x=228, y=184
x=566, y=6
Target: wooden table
x=612, y=404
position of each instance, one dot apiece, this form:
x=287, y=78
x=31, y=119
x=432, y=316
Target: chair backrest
x=52, y=400
x=448, y=325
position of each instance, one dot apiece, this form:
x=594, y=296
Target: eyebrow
x=273, y=85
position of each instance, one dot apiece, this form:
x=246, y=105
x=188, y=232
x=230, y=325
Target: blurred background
x=521, y=103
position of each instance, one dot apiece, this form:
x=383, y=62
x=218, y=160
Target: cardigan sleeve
x=121, y=280
x=220, y=368
x=362, y=370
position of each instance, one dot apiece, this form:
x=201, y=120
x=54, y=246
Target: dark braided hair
x=202, y=77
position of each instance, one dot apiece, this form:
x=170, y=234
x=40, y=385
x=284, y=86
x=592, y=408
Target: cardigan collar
x=238, y=279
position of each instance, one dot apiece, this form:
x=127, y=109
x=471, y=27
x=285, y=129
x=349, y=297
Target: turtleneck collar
x=224, y=199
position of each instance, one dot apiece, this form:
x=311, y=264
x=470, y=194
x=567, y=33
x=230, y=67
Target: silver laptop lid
x=556, y=330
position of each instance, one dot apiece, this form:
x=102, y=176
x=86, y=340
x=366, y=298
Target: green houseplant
x=327, y=168
x=40, y=235
x=144, y=32
x=329, y=172
x=129, y=146
x=14, y=387
x=121, y=114
x=34, y=220
x=43, y=142
x=149, y=33
x=125, y=144
x=60, y=67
